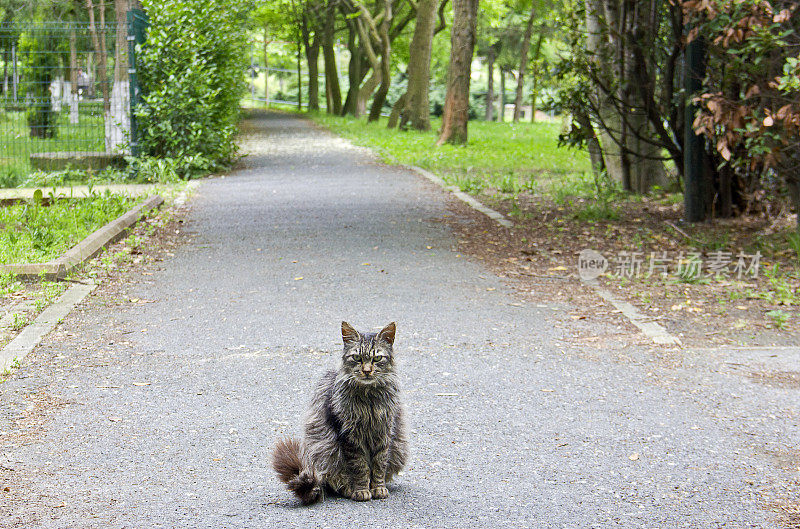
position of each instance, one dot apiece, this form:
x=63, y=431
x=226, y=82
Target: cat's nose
x=367, y=369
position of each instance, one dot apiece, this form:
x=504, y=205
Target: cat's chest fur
x=366, y=418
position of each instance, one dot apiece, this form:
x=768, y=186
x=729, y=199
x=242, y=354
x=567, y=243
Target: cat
x=355, y=433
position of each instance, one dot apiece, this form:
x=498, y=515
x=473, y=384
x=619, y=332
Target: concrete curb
x=87, y=248
x=489, y=212
x=16, y=350
x=652, y=330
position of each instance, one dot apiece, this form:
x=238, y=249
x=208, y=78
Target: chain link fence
x=65, y=98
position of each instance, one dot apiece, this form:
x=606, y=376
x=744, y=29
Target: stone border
x=652, y=330
x=489, y=212
x=87, y=248
x=18, y=348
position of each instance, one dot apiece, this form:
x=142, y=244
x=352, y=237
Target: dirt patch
x=540, y=254
x=788, y=511
x=777, y=379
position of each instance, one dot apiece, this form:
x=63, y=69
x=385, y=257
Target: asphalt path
x=162, y=414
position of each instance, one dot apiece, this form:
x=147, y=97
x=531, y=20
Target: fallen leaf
x=141, y=383
x=114, y=419
x=298, y=278
x=634, y=456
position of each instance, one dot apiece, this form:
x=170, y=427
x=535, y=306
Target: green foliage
x=784, y=289
x=794, y=243
x=192, y=75
x=779, y=318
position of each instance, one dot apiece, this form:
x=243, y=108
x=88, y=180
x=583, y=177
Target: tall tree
x=462, y=46
x=333, y=93
x=118, y=119
x=523, y=61
x=385, y=75
x=491, y=56
x=416, y=108
x=309, y=28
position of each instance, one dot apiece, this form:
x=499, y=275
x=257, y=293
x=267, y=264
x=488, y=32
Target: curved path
x=162, y=414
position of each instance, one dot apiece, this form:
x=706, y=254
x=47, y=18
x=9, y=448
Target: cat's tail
x=294, y=468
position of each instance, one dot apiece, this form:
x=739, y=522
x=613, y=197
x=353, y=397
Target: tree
x=415, y=108
x=117, y=118
x=333, y=93
x=462, y=45
x=523, y=61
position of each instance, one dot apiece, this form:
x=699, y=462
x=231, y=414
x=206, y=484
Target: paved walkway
x=165, y=411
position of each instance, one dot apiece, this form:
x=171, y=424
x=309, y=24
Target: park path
x=162, y=413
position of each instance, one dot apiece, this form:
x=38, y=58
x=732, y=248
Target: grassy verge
x=500, y=155
x=34, y=232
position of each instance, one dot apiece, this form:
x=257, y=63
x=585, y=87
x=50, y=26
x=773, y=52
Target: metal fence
x=66, y=95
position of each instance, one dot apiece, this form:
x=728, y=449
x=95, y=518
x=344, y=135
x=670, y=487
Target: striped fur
x=355, y=433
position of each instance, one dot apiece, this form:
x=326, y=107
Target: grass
x=32, y=232
x=16, y=143
x=506, y=156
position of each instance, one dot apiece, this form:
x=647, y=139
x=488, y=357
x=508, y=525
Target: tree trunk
x=74, y=114
x=490, y=58
x=417, y=106
x=537, y=51
x=523, y=61
x=365, y=92
x=354, y=75
x=462, y=46
x=501, y=112
x=118, y=118
x=386, y=75
x=312, y=56
x=266, y=67
x=99, y=42
x=333, y=94
x=592, y=144
x=394, y=117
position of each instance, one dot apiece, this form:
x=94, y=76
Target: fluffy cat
x=355, y=439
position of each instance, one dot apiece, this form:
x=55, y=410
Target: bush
x=191, y=70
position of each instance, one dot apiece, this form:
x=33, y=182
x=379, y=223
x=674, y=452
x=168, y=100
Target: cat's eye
x=380, y=358
x=355, y=358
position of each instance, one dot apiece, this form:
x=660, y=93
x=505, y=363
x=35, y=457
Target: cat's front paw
x=379, y=493
x=362, y=495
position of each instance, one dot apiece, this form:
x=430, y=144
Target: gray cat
x=355, y=439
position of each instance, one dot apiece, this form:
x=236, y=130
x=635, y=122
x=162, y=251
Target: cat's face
x=368, y=357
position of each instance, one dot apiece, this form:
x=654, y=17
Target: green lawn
x=31, y=232
x=16, y=143
x=501, y=155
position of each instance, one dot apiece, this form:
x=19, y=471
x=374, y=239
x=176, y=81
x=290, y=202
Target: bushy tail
x=294, y=469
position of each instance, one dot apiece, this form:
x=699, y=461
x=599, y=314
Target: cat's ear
x=387, y=334
x=349, y=334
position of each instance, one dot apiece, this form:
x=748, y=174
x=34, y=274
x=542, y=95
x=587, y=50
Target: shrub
x=192, y=76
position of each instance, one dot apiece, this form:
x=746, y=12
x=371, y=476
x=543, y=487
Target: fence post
x=137, y=26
